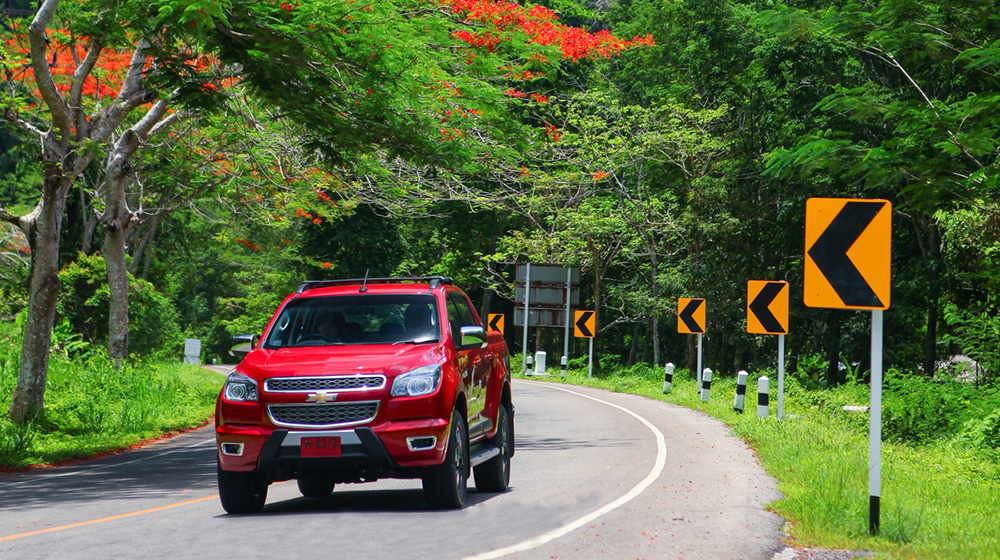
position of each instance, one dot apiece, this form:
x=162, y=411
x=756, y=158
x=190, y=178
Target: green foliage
x=918, y=409
x=976, y=332
x=153, y=329
x=91, y=408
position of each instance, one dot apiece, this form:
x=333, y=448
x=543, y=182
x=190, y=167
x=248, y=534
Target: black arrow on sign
x=760, y=307
x=581, y=323
x=830, y=253
x=495, y=322
x=687, y=315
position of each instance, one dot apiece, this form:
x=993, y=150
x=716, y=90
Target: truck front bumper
x=396, y=449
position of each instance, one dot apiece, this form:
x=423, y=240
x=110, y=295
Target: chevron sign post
x=767, y=313
x=584, y=326
x=848, y=265
x=691, y=320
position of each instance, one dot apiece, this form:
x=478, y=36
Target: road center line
x=661, y=460
x=106, y=519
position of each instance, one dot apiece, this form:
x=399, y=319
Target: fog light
x=421, y=443
x=232, y=449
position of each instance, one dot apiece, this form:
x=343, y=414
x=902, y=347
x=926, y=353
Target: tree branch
x=43, y=76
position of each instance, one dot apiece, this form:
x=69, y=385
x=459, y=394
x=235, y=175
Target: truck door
x=472, y=361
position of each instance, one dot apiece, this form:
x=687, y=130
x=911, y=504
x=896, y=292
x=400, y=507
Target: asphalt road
x=596, y=475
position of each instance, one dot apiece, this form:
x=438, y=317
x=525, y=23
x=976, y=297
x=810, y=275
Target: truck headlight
x=239, y=388
x=417, y=382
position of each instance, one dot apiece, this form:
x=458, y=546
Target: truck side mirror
x=473, y=336
x=242, y=345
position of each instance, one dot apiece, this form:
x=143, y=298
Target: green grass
x=90, y=409
x=940, y=499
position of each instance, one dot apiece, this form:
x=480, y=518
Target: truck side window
x=459, y=315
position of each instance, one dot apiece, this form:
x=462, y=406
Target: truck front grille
x=322, y=415
x=330, y=383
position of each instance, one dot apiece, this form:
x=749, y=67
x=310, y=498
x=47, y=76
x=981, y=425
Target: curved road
x=596, y=475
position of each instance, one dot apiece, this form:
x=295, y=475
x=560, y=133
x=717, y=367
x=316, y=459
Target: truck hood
x=387, y=359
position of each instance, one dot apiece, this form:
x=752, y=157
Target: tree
x=920, y=124
x=332, y=67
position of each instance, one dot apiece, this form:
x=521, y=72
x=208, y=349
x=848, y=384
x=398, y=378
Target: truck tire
x=446, y=485
x=494, y=475
x=241, y=492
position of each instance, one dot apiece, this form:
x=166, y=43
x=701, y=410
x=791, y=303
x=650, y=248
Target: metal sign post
x=569, y=281
x=590, y=361
x=875, y=426
x=527, y=296
x=698, y=371
x=781, y=377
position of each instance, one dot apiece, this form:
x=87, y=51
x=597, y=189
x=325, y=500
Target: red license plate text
x=320, y=446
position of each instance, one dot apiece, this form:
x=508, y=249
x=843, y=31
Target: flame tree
x=424, y=81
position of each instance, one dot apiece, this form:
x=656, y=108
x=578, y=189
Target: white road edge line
x=661, y=460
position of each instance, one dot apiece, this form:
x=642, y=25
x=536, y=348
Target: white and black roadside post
x=763, y=396
x=706, y=384
x=563, y=363
x=527, y=368
x=741, y=391
x=668, y=377
x=875, y=426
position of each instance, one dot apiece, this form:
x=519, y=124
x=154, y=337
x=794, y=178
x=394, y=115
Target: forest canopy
x=227, y=150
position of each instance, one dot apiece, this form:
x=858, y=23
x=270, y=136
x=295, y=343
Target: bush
x=84, y=301
x=919, y=409
x=92, y=408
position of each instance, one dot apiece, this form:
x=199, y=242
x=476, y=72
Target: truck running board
x=483, y=454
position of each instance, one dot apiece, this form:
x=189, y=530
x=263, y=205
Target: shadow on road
x=362, y=501
x=186, y=463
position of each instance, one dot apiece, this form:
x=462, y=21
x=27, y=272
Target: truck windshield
x=356, y=319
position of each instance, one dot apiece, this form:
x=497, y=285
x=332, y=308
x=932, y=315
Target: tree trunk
x=633, y=344
x=595, y=256
x=116, y=219
x=114, y=262
x=934, y=294
x=930, y=337
x=654, y=272
x=43, y=228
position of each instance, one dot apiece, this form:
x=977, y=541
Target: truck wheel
x=445, y=485
x=241, y=492
x=494, y=475
x=315, y=486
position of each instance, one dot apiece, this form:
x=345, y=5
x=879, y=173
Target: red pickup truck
x=356, y=380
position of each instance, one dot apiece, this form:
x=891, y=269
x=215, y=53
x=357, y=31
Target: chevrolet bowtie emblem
x=321, y=397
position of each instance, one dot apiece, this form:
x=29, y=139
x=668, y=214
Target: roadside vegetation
x=92, y=410
x=940, y=467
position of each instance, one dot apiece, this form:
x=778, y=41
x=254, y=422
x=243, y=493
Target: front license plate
x=320, y=446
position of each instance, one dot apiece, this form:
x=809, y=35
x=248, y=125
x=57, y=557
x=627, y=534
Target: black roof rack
x=434, y=281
